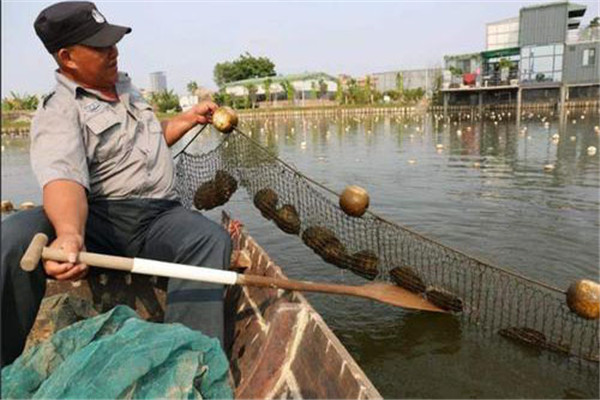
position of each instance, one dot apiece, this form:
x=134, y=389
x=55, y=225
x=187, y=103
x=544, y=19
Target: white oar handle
x=182, y=271
x=135, y=265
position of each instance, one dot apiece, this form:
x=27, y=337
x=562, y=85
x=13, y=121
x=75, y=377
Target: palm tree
x=192, y=86
x=267, y=85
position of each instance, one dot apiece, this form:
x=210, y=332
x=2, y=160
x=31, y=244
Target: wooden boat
x=278, y=345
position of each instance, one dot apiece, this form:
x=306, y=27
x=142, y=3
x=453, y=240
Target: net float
x=583, y=298
x=225, y=119
x=7, y=206
x=27, y=205
x=354, y=201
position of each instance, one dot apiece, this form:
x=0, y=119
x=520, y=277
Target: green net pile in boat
x=118, y=355
x=498, y=300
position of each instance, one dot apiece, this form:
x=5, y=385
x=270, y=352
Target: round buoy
x=591, y=151
x=27, y=205
x=7, y=206
x=354, y=201
x=583, y=298
x=225, y=119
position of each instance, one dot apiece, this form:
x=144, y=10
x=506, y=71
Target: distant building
x=158, y=81
x=410, y=79
x=200, y=94
x=306, y=86
x=541, y=49
x=188, y=101
x=502, y=34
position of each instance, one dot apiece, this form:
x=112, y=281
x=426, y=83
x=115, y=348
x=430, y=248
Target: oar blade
x=400, y=297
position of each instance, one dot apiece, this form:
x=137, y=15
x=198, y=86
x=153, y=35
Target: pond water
x=522, y=196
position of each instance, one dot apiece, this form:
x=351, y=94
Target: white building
x=306, y=86
x=502, y=34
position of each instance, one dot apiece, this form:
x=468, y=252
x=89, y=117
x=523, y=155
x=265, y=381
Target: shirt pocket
x=148, y=117
x=107, y=135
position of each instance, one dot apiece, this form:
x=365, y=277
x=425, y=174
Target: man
x=103, y=161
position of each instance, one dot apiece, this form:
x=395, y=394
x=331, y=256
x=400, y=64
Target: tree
x=252, y=89
x=192, y=86
x=267, y=85
x=313, y=90
x=289, y=89
x=368, y=89
x=339, y=93
x=245, y=67
x=165, y=101
x=20, y=102
x=322, y=88
x=400, y=82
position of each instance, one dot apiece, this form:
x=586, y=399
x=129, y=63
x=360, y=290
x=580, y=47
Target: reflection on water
x=523, y=196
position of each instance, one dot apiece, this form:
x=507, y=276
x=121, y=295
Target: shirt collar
x=74, y=88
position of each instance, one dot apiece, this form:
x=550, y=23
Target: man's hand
x=178, y=126
x=72, y=244
x=202, y=112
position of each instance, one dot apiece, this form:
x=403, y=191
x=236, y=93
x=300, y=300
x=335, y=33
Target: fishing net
x=497, y=300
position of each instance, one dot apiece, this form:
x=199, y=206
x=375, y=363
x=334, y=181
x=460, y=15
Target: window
x=589, y=57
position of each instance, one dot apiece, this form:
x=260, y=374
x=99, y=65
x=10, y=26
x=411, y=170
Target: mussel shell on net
x=266, y=201
x=324, y=242
x=524, y=334
x=364, y=263
x=207, y=196
x=444, y=299
x=287, y=219
x=408, y=278
x=226, y=183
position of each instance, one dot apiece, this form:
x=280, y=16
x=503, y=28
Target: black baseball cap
x=76, y=22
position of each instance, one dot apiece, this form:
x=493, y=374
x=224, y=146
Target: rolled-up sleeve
x=57, y=145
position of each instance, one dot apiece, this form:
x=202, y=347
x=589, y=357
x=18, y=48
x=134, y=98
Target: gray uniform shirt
x=116, y=150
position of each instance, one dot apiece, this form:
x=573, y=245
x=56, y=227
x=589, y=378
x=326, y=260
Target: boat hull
x=278, y=345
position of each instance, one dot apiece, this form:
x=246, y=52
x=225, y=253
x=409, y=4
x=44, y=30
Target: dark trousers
x=148, y=228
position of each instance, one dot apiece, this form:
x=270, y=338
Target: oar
x=382, y=292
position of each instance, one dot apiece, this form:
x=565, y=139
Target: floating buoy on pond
x=583, y=298
x=225, y=119
x=27, y=205
x=591, y=151
x=354, y=200
x=412, y=161
x=573, y=138
x=7, y=206
x=439, y=146
x=549, y=167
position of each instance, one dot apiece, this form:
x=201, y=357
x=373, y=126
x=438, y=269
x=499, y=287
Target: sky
x=186, y=39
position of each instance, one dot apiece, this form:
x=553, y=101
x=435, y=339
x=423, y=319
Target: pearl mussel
x=444, y=299
x=532, y=337
x=266, y=201
x=207, y=196
x=363, y=263
x=324, y=242
x=215, y=192
x=526, y=335
x=226, y=183
x=287, y=219
x=408, y=278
